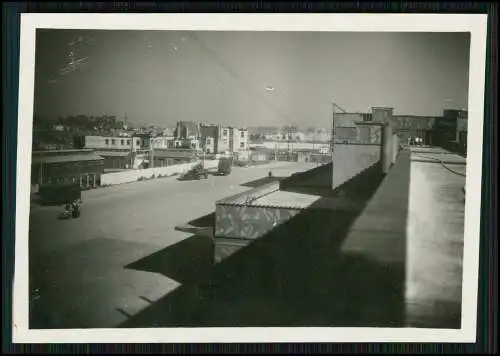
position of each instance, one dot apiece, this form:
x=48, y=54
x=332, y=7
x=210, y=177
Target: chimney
x=382, y=114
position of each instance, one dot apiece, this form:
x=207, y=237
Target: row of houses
x=95, y=155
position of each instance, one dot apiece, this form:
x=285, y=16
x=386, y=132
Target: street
x=77, y=273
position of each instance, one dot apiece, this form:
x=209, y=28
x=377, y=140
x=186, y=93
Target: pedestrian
x=76, y=209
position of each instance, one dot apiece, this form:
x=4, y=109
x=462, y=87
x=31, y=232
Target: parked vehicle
x=196, y=173
x=71, y=210
x=59, y=194
x=225, y=167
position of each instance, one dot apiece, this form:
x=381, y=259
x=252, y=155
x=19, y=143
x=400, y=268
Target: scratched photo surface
x=248, y=179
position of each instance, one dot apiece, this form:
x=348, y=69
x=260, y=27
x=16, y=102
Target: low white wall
x=136, y=174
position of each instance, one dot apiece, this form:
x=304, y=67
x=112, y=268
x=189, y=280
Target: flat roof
x=113, y=154
x=173, y=154
x=371, y=123
x=437, y=157
x=67, y=158
x=71, y=150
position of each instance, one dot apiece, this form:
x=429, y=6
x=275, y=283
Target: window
x=113, y=141
x=106, y=141
x=128, y=142
x=225, y=133
x=122, y=142
x=137, y=142
x=193, y=145
x=242, y=134
x=242, y=144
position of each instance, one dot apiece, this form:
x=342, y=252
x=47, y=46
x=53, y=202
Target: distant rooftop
x=113, y=153
x=67, y=158
x=71, y=150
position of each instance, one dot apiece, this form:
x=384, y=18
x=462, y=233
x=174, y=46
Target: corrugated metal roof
x=67, y=158
x=287, y=200
x=244, y=198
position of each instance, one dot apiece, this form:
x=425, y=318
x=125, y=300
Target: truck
x=60, y=194
x=225, y=166
x=196, y=173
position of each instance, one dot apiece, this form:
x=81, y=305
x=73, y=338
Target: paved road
x=77, y=266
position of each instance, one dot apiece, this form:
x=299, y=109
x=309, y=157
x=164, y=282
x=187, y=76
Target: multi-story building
x=100, y=143
x=210, y=138
x=241, y=150
x=225, y=142
x=240, y=140
x=188, y=143
x=187, y=129
x=163, y=142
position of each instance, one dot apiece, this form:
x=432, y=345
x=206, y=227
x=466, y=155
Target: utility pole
x=332, y=138
x=132, y=151
x=152, y=154
x=204, y=147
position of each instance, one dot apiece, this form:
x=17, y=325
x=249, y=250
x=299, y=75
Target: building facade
x=240, y=140
x=187, y=129
x=129, y=143
x=65, y=166
x=451, y=127
x=172, y=156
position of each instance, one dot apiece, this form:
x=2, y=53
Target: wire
x=443, y=164
x=231, y=72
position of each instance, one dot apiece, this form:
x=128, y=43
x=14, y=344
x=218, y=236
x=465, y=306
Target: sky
x=247, y=78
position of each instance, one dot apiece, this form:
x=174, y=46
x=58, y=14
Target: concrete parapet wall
x=311, y=177
x=135, y=175
x=350, y=160
x=395, y=147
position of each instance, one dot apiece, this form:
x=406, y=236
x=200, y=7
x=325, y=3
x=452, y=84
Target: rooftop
x=67, y=158
x=114, y=154
x=284, y=199
x=43, y=152
x=176, y=153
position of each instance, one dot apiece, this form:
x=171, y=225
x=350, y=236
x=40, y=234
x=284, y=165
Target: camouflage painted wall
x=359, y=134
x=381, y=114
x=375, y=134
x=226, y=247
x=246, y=222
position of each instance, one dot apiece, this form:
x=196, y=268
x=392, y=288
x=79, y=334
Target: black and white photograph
x=236, y=177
